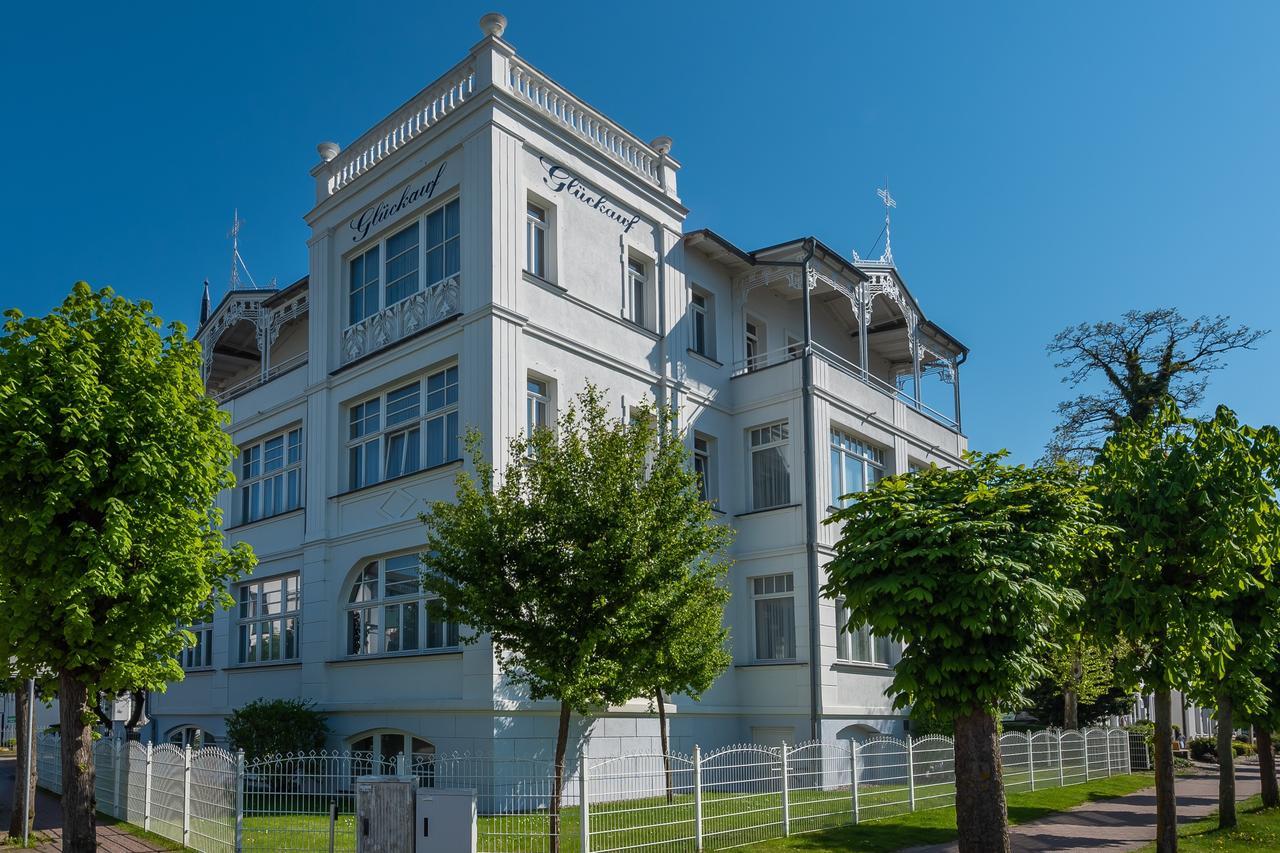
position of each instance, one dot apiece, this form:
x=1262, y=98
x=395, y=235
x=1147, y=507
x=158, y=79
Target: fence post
x=146, y=794
x=1128, y=752
x=786, y=799
x=402, y=765
x=1109, y=761
x=584, y=801
x=853, y=776
x=1031, y=761
x=239, y=800
x=697, y=798
x=911, y=772
x=1062, y=780
x=115, y=772
x=186, y=795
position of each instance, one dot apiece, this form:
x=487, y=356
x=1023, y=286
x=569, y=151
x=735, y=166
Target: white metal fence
x=212, y=800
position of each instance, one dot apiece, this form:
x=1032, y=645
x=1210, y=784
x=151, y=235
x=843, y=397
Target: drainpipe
x=660, y=273
x=810, y=498
x=960, y=359
x=810, y=485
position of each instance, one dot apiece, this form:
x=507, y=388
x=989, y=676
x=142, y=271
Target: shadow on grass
x=866, y=838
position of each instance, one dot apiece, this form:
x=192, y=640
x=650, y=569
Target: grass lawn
x=937, y=826
x=1258, y=829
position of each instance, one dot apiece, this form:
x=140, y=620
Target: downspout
x=660, y=272
x=960, y=359
x=810, y=498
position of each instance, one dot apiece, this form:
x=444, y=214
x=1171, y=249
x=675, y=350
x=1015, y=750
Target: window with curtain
x=402, y=264
x=638, y=278
x=387, y=611
x=704, y=466
x=443, y=244
x=406, y=429
x=700, y=317
x=857, y=644
x=364, y=288
x=774, y=603
x=535, y=233
x=770, y=466
x=271, y=476
x=268, y=619
x=855, y=466
x=199, y=656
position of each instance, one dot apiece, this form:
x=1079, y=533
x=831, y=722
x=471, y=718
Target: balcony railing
x=260, y=378
x=839, y=362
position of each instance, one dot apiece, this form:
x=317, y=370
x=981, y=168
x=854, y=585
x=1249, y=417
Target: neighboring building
x=475, y=259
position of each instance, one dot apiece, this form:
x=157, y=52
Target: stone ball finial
x=661, y=144
x=493, y=24
x=328, y=150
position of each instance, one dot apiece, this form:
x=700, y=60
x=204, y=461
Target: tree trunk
x=1166, y=803
x=79, y=834
x=25, y=767
x=666, y=747
x=562, y=740
x=981, y=817
x=1267, y=764
x=1070, y=709
x=1226, y=764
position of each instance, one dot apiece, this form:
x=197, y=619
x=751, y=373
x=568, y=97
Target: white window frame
x=864, y=456
x=766, y=588
x=371, y=439
x=383, y=749
x=258, y=485
x=368, y=620
x=266, y=609
x=192, y=736
x=640, y=276
x=537, y=239
x=702, y=316
x=850, y=643
x=704, y=464
x=754, y=341
x=538, y=408
x=449, y=246
x=199, y=656
x=774, y=435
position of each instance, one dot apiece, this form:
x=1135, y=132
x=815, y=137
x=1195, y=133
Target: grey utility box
x=384, y=814
x=446, y=820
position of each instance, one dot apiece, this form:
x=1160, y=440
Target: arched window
x=192, y=736
x=379, y=751
x=386, y=611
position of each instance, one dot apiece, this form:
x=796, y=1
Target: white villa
x=475, y=259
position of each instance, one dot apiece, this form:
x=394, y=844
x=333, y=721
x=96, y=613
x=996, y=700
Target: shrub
x=1204, y=748
x=1240, y=748
x=277, y=727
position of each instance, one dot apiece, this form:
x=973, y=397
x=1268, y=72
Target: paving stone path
x=48, y=824
x=1123, y=823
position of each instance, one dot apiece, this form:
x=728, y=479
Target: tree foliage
x=969, y=568
x=1142, y=359
x=111, y=457
x=277, y=727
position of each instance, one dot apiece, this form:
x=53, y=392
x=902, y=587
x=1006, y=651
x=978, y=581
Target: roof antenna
x=889, y=204
x=237, y=262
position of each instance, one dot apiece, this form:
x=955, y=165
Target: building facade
x=475, y=259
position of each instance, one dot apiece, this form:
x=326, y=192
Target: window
x=770, y=466
x=754, y=344
x=537, y=404
x=385, y=748
x=191, y=736
x=402, y=264
x=775, y=612
x=535, y=236
x=860, y=645
x=855, y=466
x=704, y=466
x=271, y=476
x=386, y=611
x=268, y=620
x=443, y=249
x=200, y=655
x=392, y=434
x=702, y=321
x=431, y=244
x=795, y=347
x=638, y=280
x=364, y=286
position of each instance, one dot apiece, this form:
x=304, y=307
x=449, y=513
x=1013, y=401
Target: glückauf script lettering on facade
x=382, y=211
x=561, y=179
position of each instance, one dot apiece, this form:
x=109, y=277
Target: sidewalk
x=1123, y=823
x=48, y=824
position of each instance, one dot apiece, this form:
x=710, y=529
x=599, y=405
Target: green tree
x=971, y=569
x=277, y=727
x=567, y=557
x=1081, y=670
x=1186, y=496
x=111, y=457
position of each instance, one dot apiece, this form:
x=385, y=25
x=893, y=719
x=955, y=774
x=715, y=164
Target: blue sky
x=1053, y=163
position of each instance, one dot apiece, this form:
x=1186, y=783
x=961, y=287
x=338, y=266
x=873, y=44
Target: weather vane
x=889, y=203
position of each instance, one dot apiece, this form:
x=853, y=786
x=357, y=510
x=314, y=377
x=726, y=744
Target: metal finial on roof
x=205, y=304
x=237, y=261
